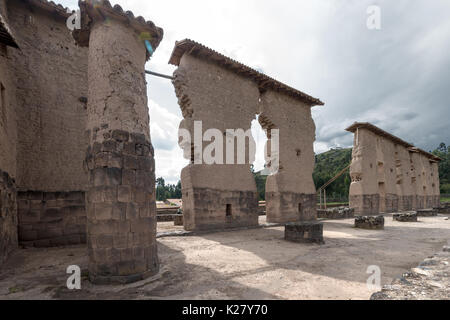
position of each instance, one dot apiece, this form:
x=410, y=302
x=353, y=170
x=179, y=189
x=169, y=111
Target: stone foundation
x=370, y=223
x=49, y=219
x=8, y=216
x=121, y=209
x=427, y=213
x=443, y=208
x=178, y=221
x=365, y=204
x=290, y=207
x=218, y=209
x=336, y=213
x=406, y=217
x=405, y=203
x=391, y=203
x=304, y=232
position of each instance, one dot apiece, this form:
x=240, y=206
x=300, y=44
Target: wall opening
x=300, y=208
x=259, y=164
x=229, y=210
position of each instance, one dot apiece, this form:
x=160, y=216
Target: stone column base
x=370, y=222
x=427, y=213
x=178, y=221
x=406, y=217
x=366, y=204
x=286, y=207
x=304, y=232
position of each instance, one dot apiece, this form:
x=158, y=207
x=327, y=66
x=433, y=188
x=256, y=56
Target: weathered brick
x=125, y=268
x=128, y=177
x=52, y=214
x=126, y=254
x=124, y=193
x=120, y=135
x=120, y=241
x=141, y=225
x=138, y=138
x=104, y=241
x=132, y=211
x=130, y=162
x=103, y=211
x=50, y=233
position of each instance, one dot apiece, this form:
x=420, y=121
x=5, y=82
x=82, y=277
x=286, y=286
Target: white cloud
x=397, y=76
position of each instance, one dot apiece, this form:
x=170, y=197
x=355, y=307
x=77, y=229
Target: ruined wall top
x=380, y=132
x=100, y=10
x=6, y=36
x=48, y=6
x=263, y=81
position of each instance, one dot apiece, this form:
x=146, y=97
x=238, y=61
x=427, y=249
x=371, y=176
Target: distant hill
x=328, y=165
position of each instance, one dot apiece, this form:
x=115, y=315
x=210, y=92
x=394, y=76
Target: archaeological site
x=389, y=174
x=78, y=175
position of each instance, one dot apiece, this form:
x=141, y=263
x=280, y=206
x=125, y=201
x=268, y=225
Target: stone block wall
x=121, y=205
x=8, y=216
x=48, y=219
x=290, y=191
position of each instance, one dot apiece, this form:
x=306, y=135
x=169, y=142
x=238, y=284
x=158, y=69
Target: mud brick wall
x=290, y=192
x=8, y=216
x=50, y=74
x=216, y=195
x=48, y=219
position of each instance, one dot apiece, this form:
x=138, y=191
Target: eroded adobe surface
x=225, y=94
x=217, y=195
x=290, y=193
x=389, y=174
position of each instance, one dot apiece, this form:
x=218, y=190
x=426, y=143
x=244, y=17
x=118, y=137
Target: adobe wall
x=8, y=140
x=405, y=190
x=290, y=193
x=388, y=177
x=51, y=77
x=223, y=100
x=364, y=196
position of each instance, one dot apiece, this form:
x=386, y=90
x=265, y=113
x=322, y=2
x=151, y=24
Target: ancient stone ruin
x=389, y=174
x=75, y=140
x=216, y=92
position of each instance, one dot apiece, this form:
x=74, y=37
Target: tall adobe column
x=121, y=206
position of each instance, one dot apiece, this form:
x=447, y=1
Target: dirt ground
x=246, y=264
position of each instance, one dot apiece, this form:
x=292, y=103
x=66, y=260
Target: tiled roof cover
x=5, y=34
x=263, y=81
x=101, y=8
x=387, y=135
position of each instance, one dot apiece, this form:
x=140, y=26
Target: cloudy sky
x=397, y=78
